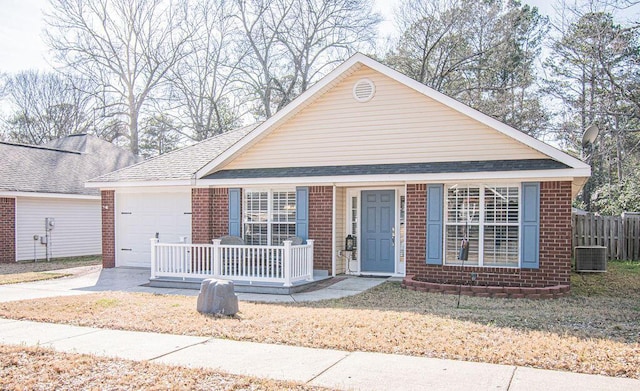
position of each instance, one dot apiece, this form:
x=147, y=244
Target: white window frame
x=481, y=223
x=269, y=221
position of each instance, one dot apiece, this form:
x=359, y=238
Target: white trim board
x=14, y=194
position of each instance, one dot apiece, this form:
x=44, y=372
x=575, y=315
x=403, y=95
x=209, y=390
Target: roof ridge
x=40, y=147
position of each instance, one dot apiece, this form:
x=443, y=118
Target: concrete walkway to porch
x=318, y=367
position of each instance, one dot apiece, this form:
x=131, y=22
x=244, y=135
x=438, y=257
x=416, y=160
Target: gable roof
x=178, y=165
x=61, y=166
x=352, y=65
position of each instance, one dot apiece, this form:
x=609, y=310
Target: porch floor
x=242, y=286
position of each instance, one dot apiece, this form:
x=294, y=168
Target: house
x=45, y=209
x=409, y=173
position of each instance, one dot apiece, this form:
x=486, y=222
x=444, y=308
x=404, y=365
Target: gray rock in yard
x=217, y=297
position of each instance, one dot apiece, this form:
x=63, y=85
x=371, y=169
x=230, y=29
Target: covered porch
x=253, y=268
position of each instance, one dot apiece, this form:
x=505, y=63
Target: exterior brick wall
x=201, y=215
x=320, y=225
x=209, y=214
x=7, y=230
x=555, y=244
x=220, y=214
x=108, y=229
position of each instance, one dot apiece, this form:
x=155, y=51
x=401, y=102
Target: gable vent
x=364, y=90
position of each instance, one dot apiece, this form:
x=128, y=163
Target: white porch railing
x=280, y=264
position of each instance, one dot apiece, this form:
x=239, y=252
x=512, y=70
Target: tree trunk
x=133, y=128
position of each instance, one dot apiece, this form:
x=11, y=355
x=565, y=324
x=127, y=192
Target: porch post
x=216, y=257
x=287, y=262
x=310, y=260
x=154, y=242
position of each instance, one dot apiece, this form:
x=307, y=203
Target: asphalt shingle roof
x=179, y=164
x=390, y=169
x=61, y=166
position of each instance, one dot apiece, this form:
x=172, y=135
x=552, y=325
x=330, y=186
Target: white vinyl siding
x=399, y=125
x=77, y=229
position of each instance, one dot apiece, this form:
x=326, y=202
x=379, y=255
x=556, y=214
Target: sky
x=22, y=46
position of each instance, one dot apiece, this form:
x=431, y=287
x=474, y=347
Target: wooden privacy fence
x=619, y=234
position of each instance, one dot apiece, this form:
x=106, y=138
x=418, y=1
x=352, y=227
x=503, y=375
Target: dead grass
x=23, y=368
x=29, y=271
x=28, y=277
x=589, y=333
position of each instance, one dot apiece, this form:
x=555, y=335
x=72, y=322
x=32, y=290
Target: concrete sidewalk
x=319, y=367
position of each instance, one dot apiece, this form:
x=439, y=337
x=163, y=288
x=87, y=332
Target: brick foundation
x=7, y=230
x=549, y=292
x=320, y=225
x=108, y=229
x=555, y=245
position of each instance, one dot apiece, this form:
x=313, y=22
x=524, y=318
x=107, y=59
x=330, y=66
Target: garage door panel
x=168, y=214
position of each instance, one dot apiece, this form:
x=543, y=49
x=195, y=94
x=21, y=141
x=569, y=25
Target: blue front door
x=378, y=222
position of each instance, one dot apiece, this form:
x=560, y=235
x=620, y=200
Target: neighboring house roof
x=61, y=166
x=216, y=157
x=181, y=164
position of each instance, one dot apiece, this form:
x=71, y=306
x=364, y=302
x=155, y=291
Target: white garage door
x=140, y=215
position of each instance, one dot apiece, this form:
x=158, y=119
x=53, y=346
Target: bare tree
x=203, y=93
x=287, y=45
x=45, y=106
x=124, y=46
x=481, y=53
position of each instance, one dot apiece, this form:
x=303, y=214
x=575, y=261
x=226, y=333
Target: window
x=487, y=212
x=269, y=216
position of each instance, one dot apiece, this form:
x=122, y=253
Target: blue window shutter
x=530, y=226
x=302, y=212
x=235, y=218
x=435, y=216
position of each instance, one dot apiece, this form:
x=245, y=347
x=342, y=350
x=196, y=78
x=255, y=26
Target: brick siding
x=201, y=215
x=220, y=216
x=209, y=214
x=7, y=230
x=320, y=225
x=108, y=229
x=555, y=244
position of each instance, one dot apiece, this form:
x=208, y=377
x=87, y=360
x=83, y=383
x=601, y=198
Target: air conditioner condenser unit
x=590, y=259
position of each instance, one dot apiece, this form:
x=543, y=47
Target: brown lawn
x=28, y=271
x=23, y=368
x=595, y=331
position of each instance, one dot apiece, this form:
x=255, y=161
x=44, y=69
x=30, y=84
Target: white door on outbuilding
x=139, y=216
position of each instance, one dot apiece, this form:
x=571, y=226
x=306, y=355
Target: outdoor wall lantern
x=349, y=243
